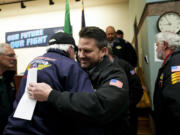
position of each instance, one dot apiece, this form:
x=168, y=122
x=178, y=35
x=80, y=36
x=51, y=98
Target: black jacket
x=7, y=96
x=124, y=50
x=167, y=97
x=135, y=88
x=107, y=108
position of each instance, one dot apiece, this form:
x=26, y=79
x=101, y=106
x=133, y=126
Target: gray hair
x=63, y=47
x=172, y=39
x=110, y=27
x=2, y=47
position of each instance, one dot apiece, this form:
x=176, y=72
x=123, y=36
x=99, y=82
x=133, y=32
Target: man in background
x=167, y=86
x=123, y=49
x=135, y=89
x=111, y=35
x=7, y=85
x=120, y=34
x=58, y=69
x=120, y=47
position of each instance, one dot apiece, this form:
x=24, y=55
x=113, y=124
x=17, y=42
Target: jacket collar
x=99, y=67
x=58, y=51
x=8, y=75
x=169, y=57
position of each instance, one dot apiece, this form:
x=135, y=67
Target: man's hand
x=39, y=91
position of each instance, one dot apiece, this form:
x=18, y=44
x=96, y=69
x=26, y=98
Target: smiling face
x=88, y=53
x=8, y=59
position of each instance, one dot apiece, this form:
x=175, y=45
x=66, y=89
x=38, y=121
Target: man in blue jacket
x=57, y=69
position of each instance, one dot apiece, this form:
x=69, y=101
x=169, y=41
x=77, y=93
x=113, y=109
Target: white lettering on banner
x=36, y=41
x=30, y=34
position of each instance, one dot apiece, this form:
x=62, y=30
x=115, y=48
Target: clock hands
x=169, y=23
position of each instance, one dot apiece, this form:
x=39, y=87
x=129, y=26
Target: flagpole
x=83, y=24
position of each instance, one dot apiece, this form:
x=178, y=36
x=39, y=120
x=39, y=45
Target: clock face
x=169, y=21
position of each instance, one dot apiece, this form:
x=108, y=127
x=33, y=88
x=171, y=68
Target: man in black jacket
x=135, y=89
x=124, y=50
x=120, y=47
x=7, y=85
x=167, y=87
x=106, y=108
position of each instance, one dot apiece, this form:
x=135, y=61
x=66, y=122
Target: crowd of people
x=98, y=94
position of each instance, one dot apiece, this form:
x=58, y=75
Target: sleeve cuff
x=52, y=98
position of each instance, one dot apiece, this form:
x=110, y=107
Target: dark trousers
x=133, y=122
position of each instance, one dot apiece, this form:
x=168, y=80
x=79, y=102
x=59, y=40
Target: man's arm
x=106, y=104
x=135, y=88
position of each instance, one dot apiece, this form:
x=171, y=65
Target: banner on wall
x=31, y=38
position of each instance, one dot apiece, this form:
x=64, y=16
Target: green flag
x=67, y=23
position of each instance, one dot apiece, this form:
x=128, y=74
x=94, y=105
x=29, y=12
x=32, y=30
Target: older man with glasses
x=7, y=87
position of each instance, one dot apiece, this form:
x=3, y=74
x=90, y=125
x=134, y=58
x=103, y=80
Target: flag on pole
x=83, y=24
x=67, y=22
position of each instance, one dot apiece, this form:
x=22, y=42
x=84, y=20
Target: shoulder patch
x=40, y=66
x=175, y=68
x=132, y=72
x=175, y=77
x=45, y=58
x=116, y=83
x=119, y=47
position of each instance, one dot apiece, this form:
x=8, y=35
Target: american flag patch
x=132, y=72
x=175, y=68
x=116, y=83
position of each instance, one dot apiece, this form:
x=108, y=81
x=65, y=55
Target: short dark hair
x=119, y=32
x=96, y=33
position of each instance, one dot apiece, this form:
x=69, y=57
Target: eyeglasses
x=10, y=55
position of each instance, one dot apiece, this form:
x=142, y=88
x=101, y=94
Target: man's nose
x=80, y=54
x=14, y=58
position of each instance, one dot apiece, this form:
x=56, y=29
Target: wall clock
x=169, y=21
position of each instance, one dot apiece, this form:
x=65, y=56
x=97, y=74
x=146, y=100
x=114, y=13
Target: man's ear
x=70, y=52
x=104, y=51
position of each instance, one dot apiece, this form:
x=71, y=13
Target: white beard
x=160, y=55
